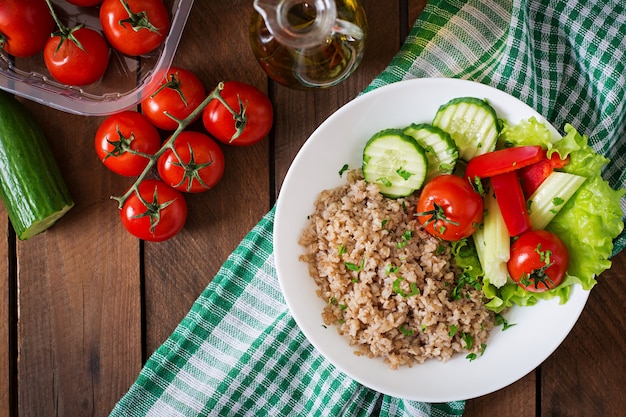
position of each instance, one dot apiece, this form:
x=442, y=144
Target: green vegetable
x=472, y=123
x=551, y=196
x=441, y=151
x=493, y=243
x=31, y=186
x=394, y=161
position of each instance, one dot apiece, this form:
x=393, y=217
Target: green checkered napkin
x=238, y=352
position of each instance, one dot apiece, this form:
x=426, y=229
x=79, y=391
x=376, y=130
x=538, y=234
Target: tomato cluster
x=129, y=144
x=79, y=55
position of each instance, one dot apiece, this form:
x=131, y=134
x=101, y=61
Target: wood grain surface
x=84, y=304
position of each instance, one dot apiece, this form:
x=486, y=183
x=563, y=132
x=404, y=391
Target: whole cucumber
x=32, y=189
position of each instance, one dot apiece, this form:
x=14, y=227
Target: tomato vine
x=215, y=94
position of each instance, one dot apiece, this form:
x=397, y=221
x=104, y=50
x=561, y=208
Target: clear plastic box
x=127, y=80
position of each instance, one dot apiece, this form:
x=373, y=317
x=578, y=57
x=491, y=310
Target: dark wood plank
x=215, y=46
x=6, y=318
x=586, y=376
x=79, y=307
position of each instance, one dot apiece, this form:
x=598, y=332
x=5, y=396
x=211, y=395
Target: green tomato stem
x=169, y=143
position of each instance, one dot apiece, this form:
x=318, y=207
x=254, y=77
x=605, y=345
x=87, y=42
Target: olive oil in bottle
x=297, y=45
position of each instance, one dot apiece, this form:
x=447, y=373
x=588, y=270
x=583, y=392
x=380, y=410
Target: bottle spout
x=276, y=14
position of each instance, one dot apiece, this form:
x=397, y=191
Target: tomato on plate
x=25, y=26
x=78, y=56
x=449, y=207
x=539, y=261
x=248, y=120
x=155, y=212
x=179, y=94
x=195, y=164
x=134, y=27
x=121, y=139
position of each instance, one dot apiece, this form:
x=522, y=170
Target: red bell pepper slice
x=512, y=202
x=503, y=160
x=533, y=175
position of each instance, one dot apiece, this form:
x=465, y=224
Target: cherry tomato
x=123, y=131
x=156, y=212
x=77, y=65
x=253, y=115
x=85, y=3
x=134, y=27
x=25, y=26
x=179, y=94
x=538, y=261
x=196, y=164
x=449, y=207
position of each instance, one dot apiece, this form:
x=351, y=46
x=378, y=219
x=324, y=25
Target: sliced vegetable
x=492, y=242
x=512, y=202
x=533, y=175
x=551, y=196
x=503, y=160
x=472, y=123
x=441, y=151
x=31, y=186
x=395, y=162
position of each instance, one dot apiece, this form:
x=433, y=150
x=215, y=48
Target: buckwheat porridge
x=388, y=284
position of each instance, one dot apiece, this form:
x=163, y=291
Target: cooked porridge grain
x=387, y=283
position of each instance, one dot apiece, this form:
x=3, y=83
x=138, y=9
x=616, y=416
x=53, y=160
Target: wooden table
x=83, y=305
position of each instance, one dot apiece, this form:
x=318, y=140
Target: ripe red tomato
x=539, y=261
x=195, y=164
x=156, y=213
x=77, y=65
x=179, y=94
x=134, y=27
x=449, y=207
x=123, y=131
x=25, y=26
x=253, y=115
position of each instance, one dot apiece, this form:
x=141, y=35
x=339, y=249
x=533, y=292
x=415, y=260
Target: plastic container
x=127, y=80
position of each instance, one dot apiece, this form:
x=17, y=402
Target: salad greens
x=587, y=224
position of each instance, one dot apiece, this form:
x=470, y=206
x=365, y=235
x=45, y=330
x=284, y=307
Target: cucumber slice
x=441, y=151
x=395, y=162
x=472, y=123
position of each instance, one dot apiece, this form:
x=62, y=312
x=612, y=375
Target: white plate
x=510, y=354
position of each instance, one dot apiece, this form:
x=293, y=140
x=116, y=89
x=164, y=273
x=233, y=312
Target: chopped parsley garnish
x=384, y=181
x=500, y=320
x=452, y=330
x=468, y=339
x=355, y=267
x=343, y=169
x=405, y=331
x=406, y=237
x=398, y=290
x=391, y=268
x=404, y=174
